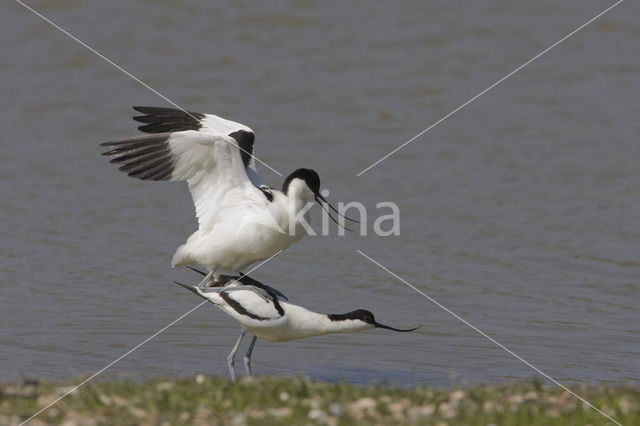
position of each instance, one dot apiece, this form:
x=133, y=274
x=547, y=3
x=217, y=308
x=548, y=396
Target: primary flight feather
x=240, y=220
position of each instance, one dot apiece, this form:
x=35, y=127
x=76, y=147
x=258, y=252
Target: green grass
x=293, y=401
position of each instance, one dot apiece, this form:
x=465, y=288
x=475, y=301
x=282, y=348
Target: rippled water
x=521, y=213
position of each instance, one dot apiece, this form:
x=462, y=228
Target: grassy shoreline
x=205, y=400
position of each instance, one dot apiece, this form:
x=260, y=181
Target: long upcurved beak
x=324, y=203
x=324, y=200
x=378, y=325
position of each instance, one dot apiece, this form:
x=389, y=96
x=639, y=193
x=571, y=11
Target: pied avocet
x=266, y=313
x=240, y=220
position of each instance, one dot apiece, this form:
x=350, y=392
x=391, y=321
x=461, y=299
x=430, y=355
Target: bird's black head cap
x=309, y=176
x=358, y=314
x=367, y=317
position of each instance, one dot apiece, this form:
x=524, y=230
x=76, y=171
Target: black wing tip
x=152, y=172
x=140, y=118
x=150, y=110
x=163, y=119
x=197, y=270
x=154, y=110
x=144, y=157
x=109, y=143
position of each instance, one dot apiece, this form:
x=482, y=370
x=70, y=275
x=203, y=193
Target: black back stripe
x=267, y=193
x=278, y=307
x=274, y=293
x=245, y=142
x=160, y=120
x=265, y=294
x=239, y=308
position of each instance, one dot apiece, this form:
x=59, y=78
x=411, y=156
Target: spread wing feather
x=212, y=154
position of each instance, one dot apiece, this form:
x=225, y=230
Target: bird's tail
x=181, y=257
x=192, y=289
x=211, y=293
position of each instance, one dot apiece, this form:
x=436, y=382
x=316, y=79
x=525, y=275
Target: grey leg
x=232, y=355
x=247, y=357
x=206, y=278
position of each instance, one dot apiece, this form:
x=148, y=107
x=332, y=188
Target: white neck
x=295, y=203
x=305, y=323
x=299, y=194
x=292, y=205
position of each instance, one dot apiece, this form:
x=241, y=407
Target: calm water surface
x=521, y=213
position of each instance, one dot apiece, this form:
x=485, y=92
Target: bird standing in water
x=266, y=313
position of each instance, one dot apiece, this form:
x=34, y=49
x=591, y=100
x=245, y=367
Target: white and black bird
x=240, y=220
x=266, y=313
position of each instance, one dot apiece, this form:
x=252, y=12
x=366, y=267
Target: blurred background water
x=521, y=213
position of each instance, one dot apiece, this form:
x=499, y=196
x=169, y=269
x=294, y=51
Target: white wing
x=212, y=154
x=250, y=304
